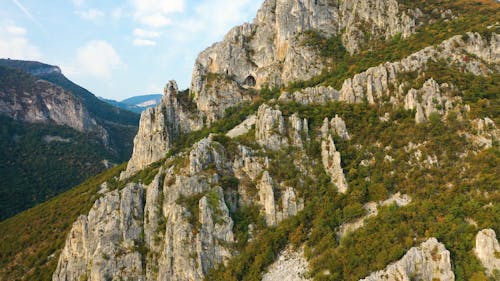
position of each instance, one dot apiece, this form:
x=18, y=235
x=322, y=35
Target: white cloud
x=155, y=13
x=90, y=14
x=15, y=45
x=218, y=16
x=78, y=3
x=138, y=32
x=98, y=58
x=15, y=30
x=144, y=42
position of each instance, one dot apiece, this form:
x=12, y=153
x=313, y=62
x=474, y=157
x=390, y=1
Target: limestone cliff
x=487, y=251
x=430, y=261
x=38, y=101
x=159, y=127
x=270, y=51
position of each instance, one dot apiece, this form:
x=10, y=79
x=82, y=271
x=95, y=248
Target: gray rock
x=290, y=265
x=48, y=103
x=270, y=128
x=487, y=250
x=431, y=98
x=242, y=128
x=103, y=245
x=270, y=51
x=216, y=230
x=430, y=261
x=158, y=129
x=381, y=81
x=273, y=132
x=332, y=164
x=337, y=126
x=274, y=213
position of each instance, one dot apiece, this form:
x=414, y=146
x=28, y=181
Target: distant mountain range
x=53, y=134
x=136, y=104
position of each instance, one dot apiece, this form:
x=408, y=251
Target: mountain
x=327, y=140
x=51, y=137
x=138, y=103
x=144, y=101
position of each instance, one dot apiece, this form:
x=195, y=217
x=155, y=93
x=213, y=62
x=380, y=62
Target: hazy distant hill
x=53, y=134
x=137, y=103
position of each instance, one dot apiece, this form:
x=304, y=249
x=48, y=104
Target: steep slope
x=50, y=140
x=382, y=165
x=99, y=109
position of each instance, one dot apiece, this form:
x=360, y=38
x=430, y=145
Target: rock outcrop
x=44, y=102
x=148, y=232
x=337, y=126
x=273, y=132
x=431, y=98
x=430, y=261
x=273, y=213
x=332, y=164
x=471, y=52
x=487, y=251
x=486, y=133
x=242, y=128
x=103, y=244
x=371, y=210
x=159, y=127
x=290, y=265
x=270, y=50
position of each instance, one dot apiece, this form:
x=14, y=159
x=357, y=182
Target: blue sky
x=118, y=49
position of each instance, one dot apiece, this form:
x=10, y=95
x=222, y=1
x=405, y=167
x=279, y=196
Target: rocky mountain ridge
x=38, y=101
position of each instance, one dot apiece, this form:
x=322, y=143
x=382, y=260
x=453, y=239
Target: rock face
x=242, y=128
x=487, y=251
x=290, y=265
x=486, y=132
x=430, y=99
x=332, y=164
x=270, y=50
x=337, y=126
x=272, y=132
x=179, y=226
x=105, y=242
x=43, y=102
x=159, y=127
x=384, y=81
x=291, y=205
x=146, y=232
x=430, y=261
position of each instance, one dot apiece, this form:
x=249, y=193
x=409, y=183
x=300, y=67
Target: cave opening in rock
x=250, y=81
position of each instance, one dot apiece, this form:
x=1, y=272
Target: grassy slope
x=31, y=241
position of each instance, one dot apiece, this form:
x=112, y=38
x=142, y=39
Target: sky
x=119, y=48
